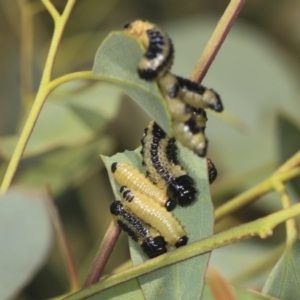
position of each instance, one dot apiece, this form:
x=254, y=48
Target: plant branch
x=72, y=76
x=262, y=227
x=51, y=9
x=291, y=232
x=103, y=253
x=41, y=96
x=294, y=161
x=253, y=194
x=64, y=246
x=216, y=40
x=26, y=49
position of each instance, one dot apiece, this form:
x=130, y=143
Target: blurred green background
x=256, y=73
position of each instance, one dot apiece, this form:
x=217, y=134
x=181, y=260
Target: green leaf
x=73, y=115
x=183, y=280
x=63, y=167
x=284, y=280
x=116, y=61
x=129, y=290
x=289, y=142
x=25, y=238
x=241, y=294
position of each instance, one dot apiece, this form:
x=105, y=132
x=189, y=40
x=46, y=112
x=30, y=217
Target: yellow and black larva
x=191, y=136
x=148, y=238
x=191, y=93
x=158, y=58
x=158, y=217
x=160, y=161
x=126, y=174
x=181, y=94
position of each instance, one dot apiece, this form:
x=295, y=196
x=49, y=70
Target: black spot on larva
x=170, y=204
x=147, y=74
x=156, y=44
x=128, y=230
x=182, y=242
x=158, y=41
x=126, y=192
x=193, y=126
x=171, y=151
x=191, y=86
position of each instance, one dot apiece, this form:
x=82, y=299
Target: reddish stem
x=63, y=244
x=216, y=40
x=103, y=253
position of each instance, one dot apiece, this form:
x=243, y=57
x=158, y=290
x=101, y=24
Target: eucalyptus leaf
x=283, y=281
x=63, y=167
x=184, y=280
x=25, y=238
x=289, y=142
x=241, y=294
x=73, y=115
x=129, y=290
x=116, y=61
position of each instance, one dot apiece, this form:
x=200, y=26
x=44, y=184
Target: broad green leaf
x=241, y=294
x=116, y=61
x=129, y=290
x=71, y=116
x=284, y=280
x=63, y=167
x=25, y=238
x=289, y=142
x=185, y=279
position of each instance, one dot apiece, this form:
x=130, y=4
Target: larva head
x=116, y=208
x=182, y=241
x=139, y=29
x=213, y=99
x=182, y=190
x=154, y=247
x=114, y=167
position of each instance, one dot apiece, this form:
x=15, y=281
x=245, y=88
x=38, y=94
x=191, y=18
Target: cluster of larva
x=186, y=99
x=145, y=212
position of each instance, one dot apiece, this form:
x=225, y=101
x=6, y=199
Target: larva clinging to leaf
x=149, y=239
x=125, y=174
x=158, y=217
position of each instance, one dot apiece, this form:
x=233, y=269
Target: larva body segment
x=158, y=58
x=155, y=215
x=148, y=238
x=197, y=95
x=191, y=136
x=189, y=92
x=160, y=161
x=126, y=174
